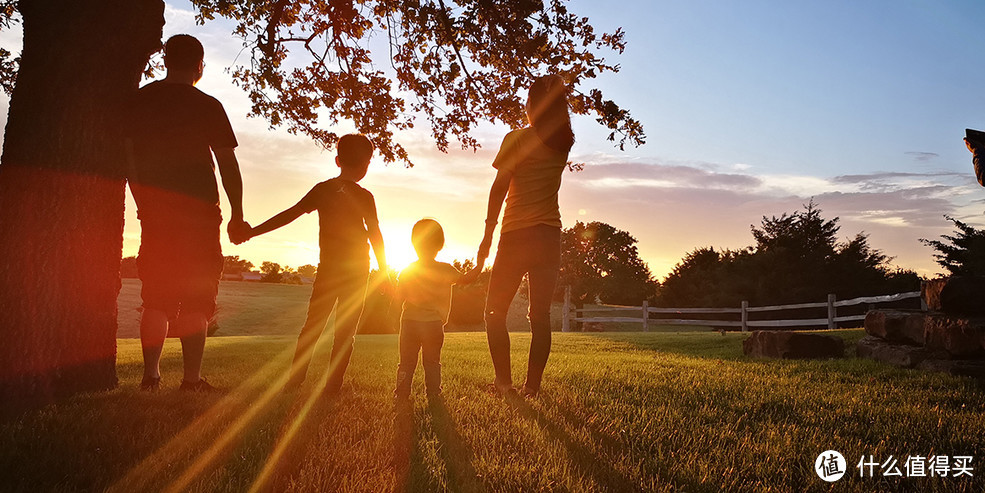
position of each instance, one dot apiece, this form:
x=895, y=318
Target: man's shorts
x=179, y=265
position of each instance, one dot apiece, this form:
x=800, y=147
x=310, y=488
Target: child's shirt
x=346, y=212
x=425, y=287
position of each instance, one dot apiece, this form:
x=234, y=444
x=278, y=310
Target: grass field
x=253, y=308
x=619, y=412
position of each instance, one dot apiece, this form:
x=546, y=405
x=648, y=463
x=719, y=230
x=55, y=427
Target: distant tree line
x=797, y=258
x=271, y=272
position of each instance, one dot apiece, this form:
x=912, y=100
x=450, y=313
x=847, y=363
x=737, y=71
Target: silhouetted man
x=175, y=129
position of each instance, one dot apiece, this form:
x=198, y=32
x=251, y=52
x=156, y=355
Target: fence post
x=566, y=310
x=923, y=299
x=745, y=316
x=832, y=313
x=646, y=316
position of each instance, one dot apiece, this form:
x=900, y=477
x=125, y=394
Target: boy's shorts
x=179, y=267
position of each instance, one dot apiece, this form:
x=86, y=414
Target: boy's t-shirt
x=173, y=129
x=426, y=290
x=346, y=212
x=536, y=169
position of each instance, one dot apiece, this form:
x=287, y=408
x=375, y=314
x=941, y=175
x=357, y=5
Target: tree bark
x=62, y=193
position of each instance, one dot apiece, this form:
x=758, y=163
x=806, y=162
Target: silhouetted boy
x=425, y=288
x=174, y=131
x=346, y=220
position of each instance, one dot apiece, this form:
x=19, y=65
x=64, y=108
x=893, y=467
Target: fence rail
x=569, y=314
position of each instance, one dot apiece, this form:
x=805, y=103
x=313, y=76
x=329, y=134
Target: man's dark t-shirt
x=173, y=128
x=345, y=213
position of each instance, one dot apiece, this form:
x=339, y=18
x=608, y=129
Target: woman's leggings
x=536, y=252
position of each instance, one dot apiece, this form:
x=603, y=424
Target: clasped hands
x=239, y=231
x=473, y=274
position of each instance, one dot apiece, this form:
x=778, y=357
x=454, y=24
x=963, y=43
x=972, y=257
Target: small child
x=425, y=288
x=346, y=220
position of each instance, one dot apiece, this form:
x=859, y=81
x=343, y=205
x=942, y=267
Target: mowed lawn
x=254, y=308
x=619, y=412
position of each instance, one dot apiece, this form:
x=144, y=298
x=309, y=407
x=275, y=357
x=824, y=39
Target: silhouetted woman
x=529, y=167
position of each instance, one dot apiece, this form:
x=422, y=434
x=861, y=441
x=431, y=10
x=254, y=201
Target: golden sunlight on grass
x=253, y=398
x=619, y=412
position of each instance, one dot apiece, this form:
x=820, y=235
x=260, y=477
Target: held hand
x=472, y=275
x=387, y=286
x=484, y=249
x=239, y=231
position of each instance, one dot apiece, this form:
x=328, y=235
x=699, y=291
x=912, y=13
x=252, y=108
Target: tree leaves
x=601, y=262
x=964, y=251
x=315, y=63
x=9, y=63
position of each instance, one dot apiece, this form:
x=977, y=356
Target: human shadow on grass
x=298, y=433
x=404, y=441
x=583, y=459
x=189, y=437
x=613, y=446
x=63, y=438
x=455, y=451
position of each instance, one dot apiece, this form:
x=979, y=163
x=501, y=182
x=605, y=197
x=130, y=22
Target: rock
x=961, y=337
x=592, y=327
x=792, y=345
x=895, y=354
x=965, y=368
x=896, y=326
x=957, y=295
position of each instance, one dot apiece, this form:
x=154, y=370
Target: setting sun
x=399, y=251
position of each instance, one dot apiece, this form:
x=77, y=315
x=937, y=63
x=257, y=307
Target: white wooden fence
x=639, y=314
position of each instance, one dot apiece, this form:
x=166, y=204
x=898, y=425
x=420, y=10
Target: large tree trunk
x=62, y=193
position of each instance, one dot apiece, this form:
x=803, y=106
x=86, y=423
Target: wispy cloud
x=673, y=208
x=654, y=175
x=892, y=181
x=922, y=156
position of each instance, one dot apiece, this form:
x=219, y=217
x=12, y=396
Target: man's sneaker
x=150, y=384
x=200, y=386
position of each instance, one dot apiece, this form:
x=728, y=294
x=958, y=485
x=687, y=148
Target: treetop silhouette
x=457, y=63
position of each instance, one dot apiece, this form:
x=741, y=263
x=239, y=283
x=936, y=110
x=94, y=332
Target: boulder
x=896, y=325
x=894, y=354
x=959, y=336
x=957, y=295
x=792, y=345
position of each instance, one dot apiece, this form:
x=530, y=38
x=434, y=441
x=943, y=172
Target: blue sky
x=817, y=87
x=751, y=108
x=861, y=105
